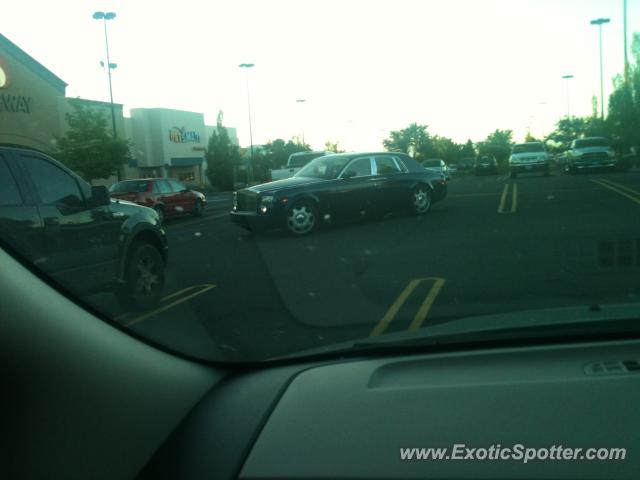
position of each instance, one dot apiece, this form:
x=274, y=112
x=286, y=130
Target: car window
x=385, y=165
x=176, y=186
x=360, y=167
x=128, y=187
x=163, y=186
x=53, y=185
x=9, y=193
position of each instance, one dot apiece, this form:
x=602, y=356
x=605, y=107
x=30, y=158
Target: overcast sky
x=464, y=68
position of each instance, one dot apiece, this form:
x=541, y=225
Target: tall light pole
x=247, y=66
x=301, y=101
x=599, y=22
x=626, y=55
x=104, y=17
x=567, y=78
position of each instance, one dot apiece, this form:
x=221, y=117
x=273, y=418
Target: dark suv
x=76, y=234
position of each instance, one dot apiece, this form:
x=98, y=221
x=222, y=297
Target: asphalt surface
x=494, y=245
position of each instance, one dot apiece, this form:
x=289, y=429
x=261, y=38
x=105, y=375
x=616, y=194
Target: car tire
x=143, y=277
x=160, y=211
x=197, y=208
x=420, y=199
x=302, y=218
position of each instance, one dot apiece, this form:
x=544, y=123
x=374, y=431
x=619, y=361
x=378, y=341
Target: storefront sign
x=181, y=135
x=15, y=103
x=4, y=80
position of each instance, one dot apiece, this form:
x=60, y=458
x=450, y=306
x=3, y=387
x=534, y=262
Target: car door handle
x=51, y=221
x=117, y=214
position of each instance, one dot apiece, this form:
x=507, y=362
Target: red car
x=166, y=196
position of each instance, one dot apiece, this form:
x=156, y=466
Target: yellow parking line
x=514, y=201
x=617, y=190
x=423, y=311
x=503, y=199
x=206, y=288
x=395, y=307
x=175, y=294
x=622, y=187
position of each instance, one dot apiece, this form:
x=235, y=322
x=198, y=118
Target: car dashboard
x=350, y=418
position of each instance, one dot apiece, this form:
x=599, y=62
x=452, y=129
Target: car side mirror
x=99, y=196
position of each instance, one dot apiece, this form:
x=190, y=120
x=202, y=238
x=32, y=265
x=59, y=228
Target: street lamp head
x=105, y=16
x=301, y=100
x=600, y=21
x=567, y=76
x=246, y=65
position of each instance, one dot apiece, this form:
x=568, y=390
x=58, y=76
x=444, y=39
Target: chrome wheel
x=301, y=219
x=421, y=199
x=143, y=278
x=147, y=276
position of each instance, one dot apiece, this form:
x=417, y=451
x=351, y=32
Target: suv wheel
x=143, y=277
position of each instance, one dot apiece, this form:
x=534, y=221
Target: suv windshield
x=431, y=163
x=243, y=181
x=591, y=142
x=528, y=148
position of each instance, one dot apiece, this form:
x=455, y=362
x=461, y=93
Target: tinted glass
x=358, y=168
x=324, y=167
x=591, y=142
x=177, y=186
x=386, y=165
x=528, y=148
x=163, y=186
x=9, y=194
x=126, y=187
x=53, y=185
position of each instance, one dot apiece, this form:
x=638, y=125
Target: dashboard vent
x=613, y=367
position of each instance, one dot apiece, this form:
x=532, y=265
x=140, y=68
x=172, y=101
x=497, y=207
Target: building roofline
x=33, y=64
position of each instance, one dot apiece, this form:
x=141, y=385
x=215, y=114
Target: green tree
x=413, y=140
x=623, y=121
x=468, y=150
x=87, y=148
x=497, y=144
x=530, y=138
x=223, y=157
x=446, y=149
x=278, y=151
x=330, y=146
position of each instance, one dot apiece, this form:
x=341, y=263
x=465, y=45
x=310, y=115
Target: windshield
x=300, y=160
x=431, y=163
x=278, y=172
x=528, y=148
x=591, y=142
x=325, y=167
x=126, y=187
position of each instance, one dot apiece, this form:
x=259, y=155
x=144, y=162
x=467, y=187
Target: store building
x=33, y=109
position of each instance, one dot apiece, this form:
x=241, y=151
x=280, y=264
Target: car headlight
x=265, y=203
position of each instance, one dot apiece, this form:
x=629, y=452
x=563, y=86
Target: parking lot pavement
x=494, y=245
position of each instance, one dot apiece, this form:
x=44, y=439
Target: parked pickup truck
x=590, y=153
x=296, y=162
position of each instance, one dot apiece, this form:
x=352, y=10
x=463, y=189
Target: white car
x=528, y=157
x=437, y=165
